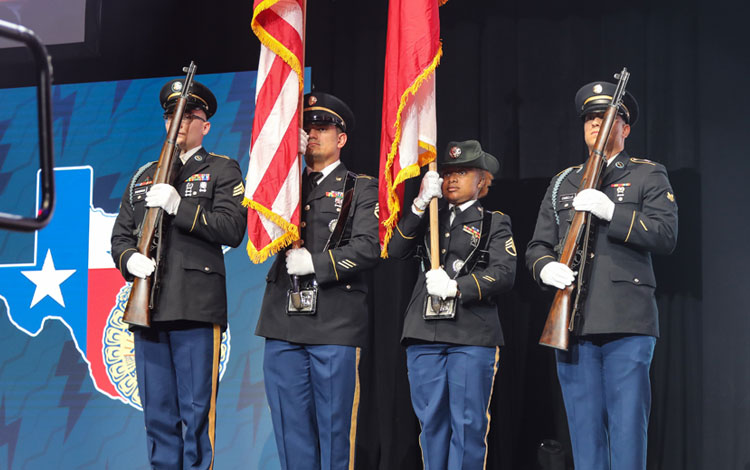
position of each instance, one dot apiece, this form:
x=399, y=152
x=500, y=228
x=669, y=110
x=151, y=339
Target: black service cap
x=200, y=97
x=596, y=96
x=325, y=108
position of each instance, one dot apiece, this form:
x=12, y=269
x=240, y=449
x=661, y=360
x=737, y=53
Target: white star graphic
x=48, y=281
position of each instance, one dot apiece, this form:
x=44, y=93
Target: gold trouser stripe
x=478, y=288
x=533, y=266
x=632, y=221
x=214, y=389
x=195, y=219
x=355, y=411
x=333, y=263
x=487, y=413
x=120, y=260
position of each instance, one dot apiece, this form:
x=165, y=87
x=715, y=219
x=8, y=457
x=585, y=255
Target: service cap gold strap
x=323, y=108
x=601, y=97
x=191, y=95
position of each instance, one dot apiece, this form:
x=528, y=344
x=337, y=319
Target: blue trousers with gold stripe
x=178, y=378
x=313, y=393
x=607, y=394
x=451, y=387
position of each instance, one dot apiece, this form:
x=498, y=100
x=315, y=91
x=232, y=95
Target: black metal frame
x=44, y=115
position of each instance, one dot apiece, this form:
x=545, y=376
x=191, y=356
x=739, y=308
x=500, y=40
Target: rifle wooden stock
x=138, y=311
x=559, y=320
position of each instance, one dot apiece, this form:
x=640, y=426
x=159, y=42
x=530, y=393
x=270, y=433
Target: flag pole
x=295, y=294
x=434, y=240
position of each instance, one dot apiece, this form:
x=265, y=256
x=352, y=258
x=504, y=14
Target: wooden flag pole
x=434, y=240
x=295, y=295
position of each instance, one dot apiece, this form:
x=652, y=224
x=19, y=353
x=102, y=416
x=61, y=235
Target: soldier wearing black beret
x=604, y=375
x=453, y=352
x=177, y=358
x=311, y=359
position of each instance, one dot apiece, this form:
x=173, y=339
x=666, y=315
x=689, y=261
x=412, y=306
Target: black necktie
x=312, y=180
x=455, y=210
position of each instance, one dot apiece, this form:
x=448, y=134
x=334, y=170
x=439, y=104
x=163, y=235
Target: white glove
x=432, y=186
x=557, y=275
x=596, y=202
x=164, y=196
x=140, y=266
x=440, y=284
x=302, y=147
x=299, y=261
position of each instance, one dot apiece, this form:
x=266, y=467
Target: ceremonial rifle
x=151, y=241
x=576, y=248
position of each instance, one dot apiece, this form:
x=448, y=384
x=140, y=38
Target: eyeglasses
x=185, y=117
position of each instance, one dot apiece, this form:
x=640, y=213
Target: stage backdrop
x=69, y=396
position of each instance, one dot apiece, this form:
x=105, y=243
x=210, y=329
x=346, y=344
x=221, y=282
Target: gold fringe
x=273, y=44
x=291, y=235
x=394, y=206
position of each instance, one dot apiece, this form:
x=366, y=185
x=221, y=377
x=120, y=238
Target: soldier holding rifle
x=604, y=373
x=177, y=357
x=313, y=345
x=453, y=350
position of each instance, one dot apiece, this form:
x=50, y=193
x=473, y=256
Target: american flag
x=272, y=192
x=409, y=129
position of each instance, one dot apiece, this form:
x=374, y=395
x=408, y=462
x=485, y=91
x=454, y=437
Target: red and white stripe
x=272, y=192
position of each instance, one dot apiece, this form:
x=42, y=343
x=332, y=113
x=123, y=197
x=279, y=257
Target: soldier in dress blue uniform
x=452, y=357
x=604, y=375
x=311, y=361
x=177, y=358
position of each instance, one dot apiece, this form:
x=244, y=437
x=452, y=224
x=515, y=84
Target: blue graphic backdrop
x=55, y=412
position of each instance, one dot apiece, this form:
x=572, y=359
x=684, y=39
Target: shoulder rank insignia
x=239, y=189
x=642, y=160
x=670, y=196
x=510, y=247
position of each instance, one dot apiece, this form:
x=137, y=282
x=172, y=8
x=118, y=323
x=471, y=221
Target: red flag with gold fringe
x=409, y=129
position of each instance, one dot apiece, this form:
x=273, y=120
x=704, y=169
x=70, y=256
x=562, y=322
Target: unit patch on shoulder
x=510, y=247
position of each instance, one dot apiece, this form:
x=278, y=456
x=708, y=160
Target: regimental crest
x=455, y=152
x=176, y=86
x=311, y=100
x=597, y=88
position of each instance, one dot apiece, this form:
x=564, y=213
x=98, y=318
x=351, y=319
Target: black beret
x=469, y=154
x=200, y=97
x=325, y=108
x=596, y=96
